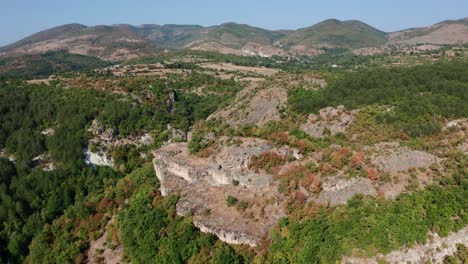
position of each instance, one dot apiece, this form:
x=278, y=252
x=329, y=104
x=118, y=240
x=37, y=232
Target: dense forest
x=31, y=197
x=418, y=96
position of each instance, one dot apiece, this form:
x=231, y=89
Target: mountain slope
x=122, y=42
x=333, y=33
x=30, y=66
x=234, y=38
x=447, y=32
x=169, y=36
x=113, y=43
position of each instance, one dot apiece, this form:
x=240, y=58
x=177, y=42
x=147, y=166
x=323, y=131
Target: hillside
x=447, y=32
x=118, y=42
x=170, y=36
x=43, y=65
x=123, y=42
x=336, y=34
x=230, y=38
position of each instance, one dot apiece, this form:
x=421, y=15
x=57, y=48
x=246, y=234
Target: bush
x=231, y=200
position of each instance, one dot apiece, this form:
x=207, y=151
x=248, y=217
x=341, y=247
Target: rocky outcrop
x=98, y=158
x=457, y=131
x=339, y=191
x=232, y=224
x=205, y=183
x=6, y=155
x=104, y=139
x=391, y=158
x=257, y=107
x=330, y=121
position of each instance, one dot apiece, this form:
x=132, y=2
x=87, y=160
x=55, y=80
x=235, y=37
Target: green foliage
x=418, y=94
x=197, y=143
x=243, y=205
x=153, y=233
x=189, y=107
x=42, y=65
x=37, y=198
x=460, y=256
x=225, y=254
x=231, y=200
x=371, y=225
x=349, y=34
x=66, y=238
x=30, y=197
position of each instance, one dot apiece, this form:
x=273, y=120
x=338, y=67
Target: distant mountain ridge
x=120, y=42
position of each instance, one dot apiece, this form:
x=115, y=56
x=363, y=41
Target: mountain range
x=122, y=41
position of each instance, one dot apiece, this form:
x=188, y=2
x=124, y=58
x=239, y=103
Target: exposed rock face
x=459, y=129
x=211, y=214
x=109, y=134
x=205, y=183
x=335, y=120
x=390, y=157
x=176, y=134
x=6, y=155
x=96, y=128
x=99, y=130
x=48, y=132
x=106, y=138
x=339, y=191
x=44, y=162
x=255, y=107
x=266, y=51
x=97, y=158
x=433, y=251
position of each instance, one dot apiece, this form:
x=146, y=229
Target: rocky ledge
x=204, y=183
x=330, y=121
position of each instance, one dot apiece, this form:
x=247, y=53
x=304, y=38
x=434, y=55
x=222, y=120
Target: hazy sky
x=20, y=18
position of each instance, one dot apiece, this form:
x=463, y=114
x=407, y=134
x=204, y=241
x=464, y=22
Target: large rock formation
x=339, y=191
x=330, y=121
x=205, y=183
x=390, y=157
x=254, y=106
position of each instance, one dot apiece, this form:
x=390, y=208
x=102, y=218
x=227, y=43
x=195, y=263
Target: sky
x=21, y=18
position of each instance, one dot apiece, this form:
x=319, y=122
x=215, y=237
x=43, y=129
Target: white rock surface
x=97, y=159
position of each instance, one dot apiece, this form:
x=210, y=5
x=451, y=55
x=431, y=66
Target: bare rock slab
x=205, y=183
x=330, y=120
x=391, y=157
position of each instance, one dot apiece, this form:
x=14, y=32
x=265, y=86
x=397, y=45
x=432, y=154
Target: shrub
x=267, y=161
x=243, y=205
x=231, y=200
